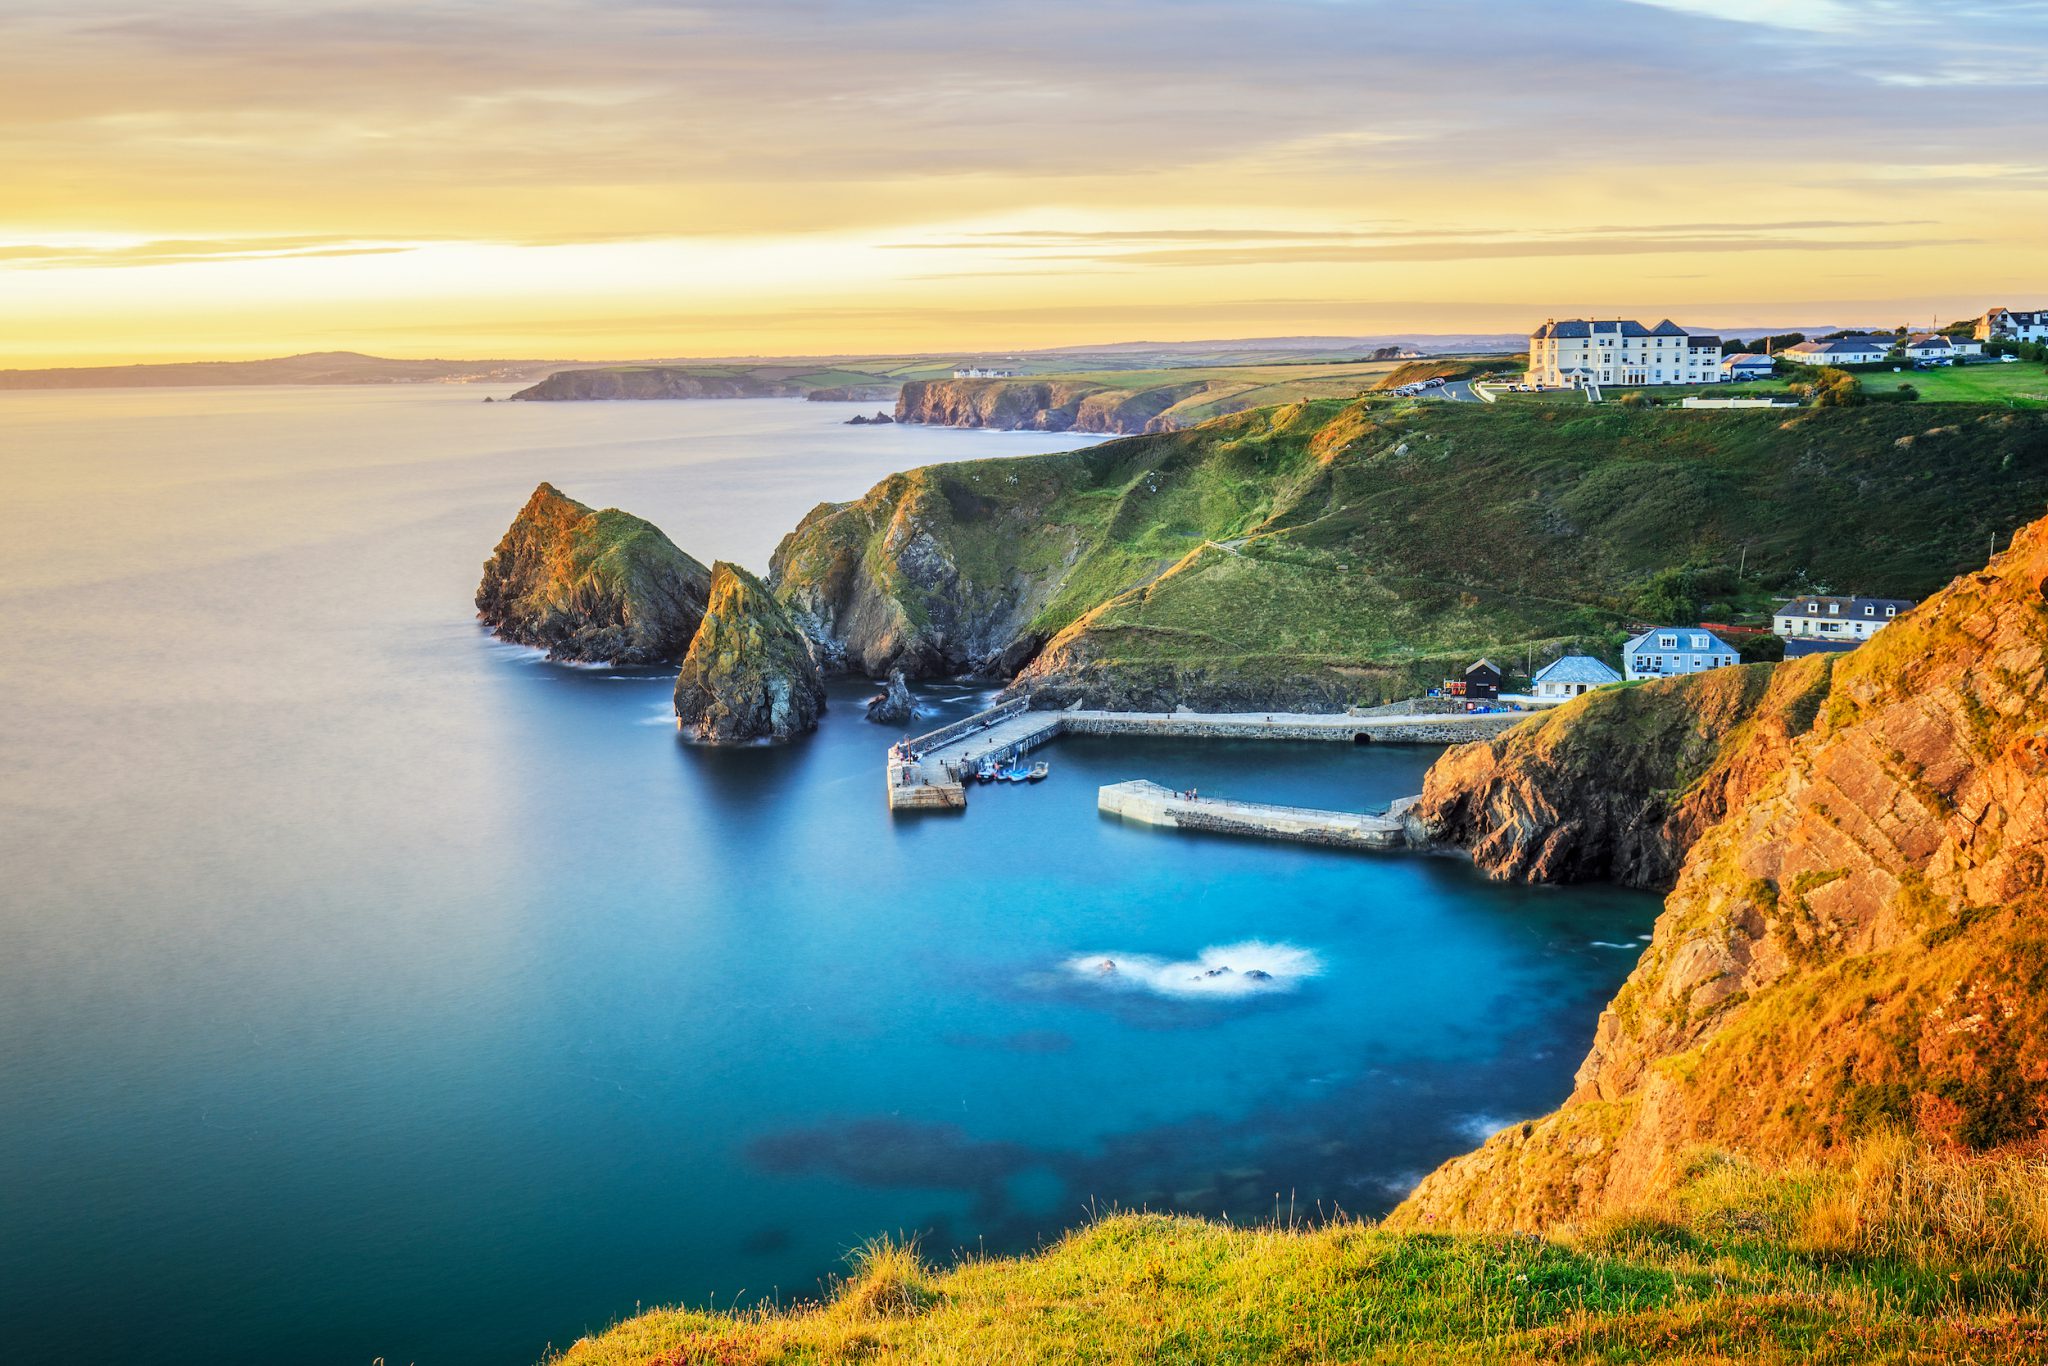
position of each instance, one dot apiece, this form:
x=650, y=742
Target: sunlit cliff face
x=585, y=177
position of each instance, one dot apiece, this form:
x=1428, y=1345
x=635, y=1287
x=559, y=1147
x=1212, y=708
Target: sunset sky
x=602, y=178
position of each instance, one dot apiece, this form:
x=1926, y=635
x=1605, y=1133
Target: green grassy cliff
x=591, y=586
x=1332, y=551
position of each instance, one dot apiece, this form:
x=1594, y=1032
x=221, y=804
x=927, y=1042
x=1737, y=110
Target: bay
x=371, y=988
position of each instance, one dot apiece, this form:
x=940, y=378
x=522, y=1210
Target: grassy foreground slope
x=1900, y=1256
x=1328, y=551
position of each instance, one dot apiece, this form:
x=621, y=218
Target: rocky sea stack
x=749, y=674
x=592, y=586
x=893, y=706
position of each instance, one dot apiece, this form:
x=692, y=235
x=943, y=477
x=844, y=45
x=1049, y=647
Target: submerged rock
x=749, y=674
x=592, y=587
x=893, y=706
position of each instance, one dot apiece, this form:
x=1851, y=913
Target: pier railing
x=966, y=725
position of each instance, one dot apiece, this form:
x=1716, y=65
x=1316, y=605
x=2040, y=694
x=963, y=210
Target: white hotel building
x=1580, y=351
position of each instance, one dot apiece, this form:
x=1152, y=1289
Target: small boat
x=1016, y=775
x=1038, y=771
x=987, y=773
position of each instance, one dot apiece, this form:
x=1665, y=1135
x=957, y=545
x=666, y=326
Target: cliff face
x=939, y=571
x=749, y=673
x=1042, y=405
x=1620, y=783
x=1860, y=940
x=591, y=586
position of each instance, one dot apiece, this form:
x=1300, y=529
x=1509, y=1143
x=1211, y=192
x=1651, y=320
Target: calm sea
x=369, y=988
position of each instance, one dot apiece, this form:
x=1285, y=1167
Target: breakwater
x=1147, y=803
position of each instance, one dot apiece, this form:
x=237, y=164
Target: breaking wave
x=1248, y=969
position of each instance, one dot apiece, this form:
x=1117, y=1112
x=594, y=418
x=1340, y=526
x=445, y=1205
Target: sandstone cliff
x=1859, y=941
x=1620, y=783
x=749, y=673
x=591, y=586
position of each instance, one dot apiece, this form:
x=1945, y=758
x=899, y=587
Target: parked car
x=2008, y=360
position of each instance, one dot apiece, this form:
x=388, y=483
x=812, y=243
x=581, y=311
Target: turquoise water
x=371, y=988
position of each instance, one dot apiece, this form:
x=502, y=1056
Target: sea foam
x=1224, y=970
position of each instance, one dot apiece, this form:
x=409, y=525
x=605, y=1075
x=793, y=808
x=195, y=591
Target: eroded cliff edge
x=1619, y=784
x=591, y=586
x=1858, y=940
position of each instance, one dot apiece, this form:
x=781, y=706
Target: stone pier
x=1147, y=803
x=933, y=775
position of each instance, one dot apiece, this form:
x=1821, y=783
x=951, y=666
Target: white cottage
x=1571, y=676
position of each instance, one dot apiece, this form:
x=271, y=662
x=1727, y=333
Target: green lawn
x=2024, y=385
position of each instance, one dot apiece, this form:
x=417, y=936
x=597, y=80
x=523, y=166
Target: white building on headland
x=2006, y=324
x=981, y=372
x=1581, y=351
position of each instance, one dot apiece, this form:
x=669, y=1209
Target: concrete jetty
x=931, y=772
x=1147, y=803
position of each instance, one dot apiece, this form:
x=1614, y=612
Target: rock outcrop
x=1620, y=783
x=1859, y=941
x=749, y=674
x=592, y=586
x=893, y=706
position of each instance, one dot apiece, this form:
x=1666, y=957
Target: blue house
x=1668, y=651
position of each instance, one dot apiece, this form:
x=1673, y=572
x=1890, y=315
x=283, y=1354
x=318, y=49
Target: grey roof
x=1936, y=343
x=1851, y=606
x=1810, y=645
x=1576, y=669
x=1479, y=664
x=1714, y=644
x=1747, y=358
x=1833, y=348
x=1615, y=327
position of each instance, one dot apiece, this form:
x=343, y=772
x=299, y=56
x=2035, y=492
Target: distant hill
x=314, y=367
x=874, y=375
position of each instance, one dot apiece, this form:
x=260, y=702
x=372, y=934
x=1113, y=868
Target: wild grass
x=1900, y=1254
